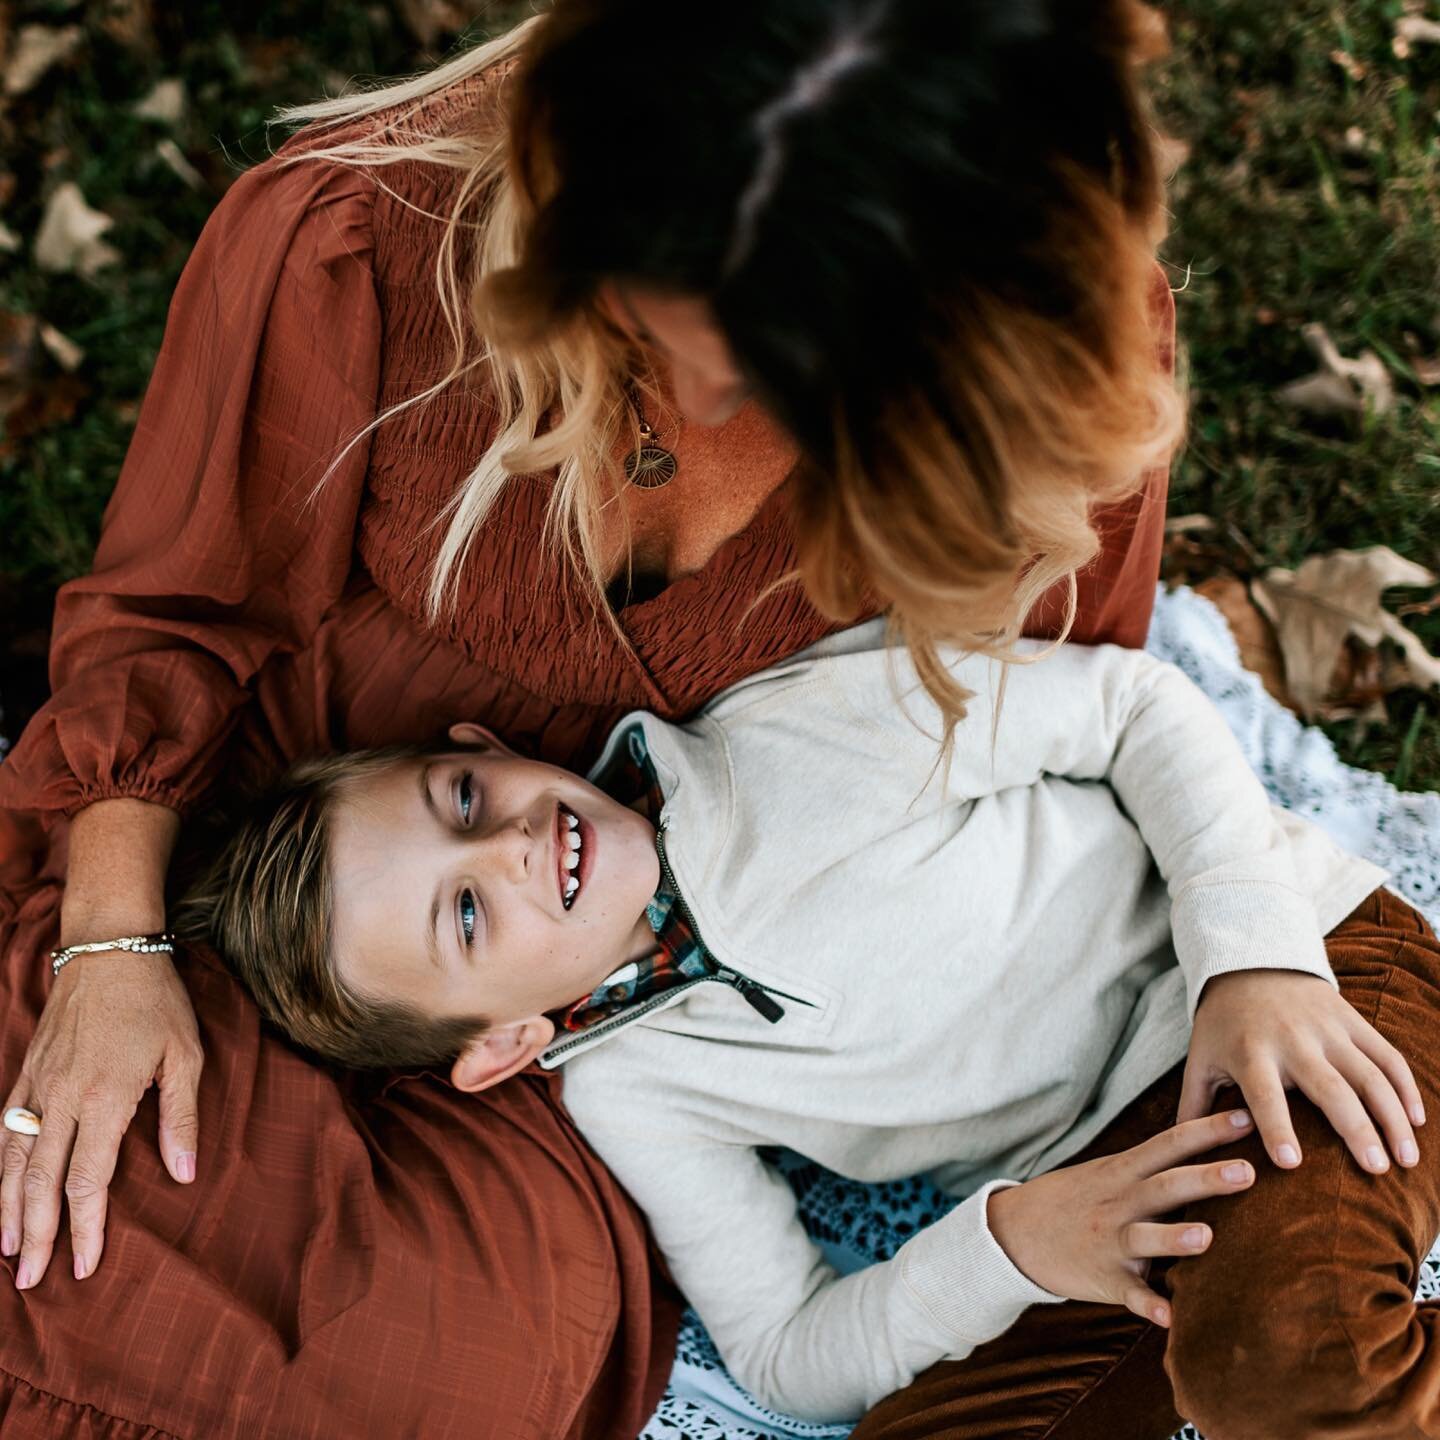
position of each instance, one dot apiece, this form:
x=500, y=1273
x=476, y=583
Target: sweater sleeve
x=1140, y=726
x=212, y=555
x=803, y=1339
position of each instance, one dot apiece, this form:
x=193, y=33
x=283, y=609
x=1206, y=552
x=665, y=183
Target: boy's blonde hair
x=263, y=900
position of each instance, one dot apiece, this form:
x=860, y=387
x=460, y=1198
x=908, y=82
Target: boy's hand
x=1088, y=1231
x=1265, y=1030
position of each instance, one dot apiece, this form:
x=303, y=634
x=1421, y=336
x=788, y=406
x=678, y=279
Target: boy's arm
x=803, y=1339
x=1129, y=720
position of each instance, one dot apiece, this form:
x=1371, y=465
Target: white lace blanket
x=859, y=1224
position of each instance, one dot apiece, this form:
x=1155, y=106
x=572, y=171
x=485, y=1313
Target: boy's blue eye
x=467, y=797
x=467, y=915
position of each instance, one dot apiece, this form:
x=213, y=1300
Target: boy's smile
x=479, y=883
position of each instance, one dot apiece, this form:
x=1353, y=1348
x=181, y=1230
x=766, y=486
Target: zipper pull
x=757, y=996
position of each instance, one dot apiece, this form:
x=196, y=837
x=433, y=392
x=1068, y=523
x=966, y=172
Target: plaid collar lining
x=678, y=956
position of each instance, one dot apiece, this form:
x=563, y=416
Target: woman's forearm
x=115, y=877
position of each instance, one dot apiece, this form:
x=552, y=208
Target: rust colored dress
x=358, y=1257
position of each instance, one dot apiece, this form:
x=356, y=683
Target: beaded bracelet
x=136, y=944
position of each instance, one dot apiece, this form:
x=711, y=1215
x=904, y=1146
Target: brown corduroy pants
x=1298, y=1323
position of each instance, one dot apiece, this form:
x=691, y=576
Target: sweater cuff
x=1228, y=925
x=959, y=1273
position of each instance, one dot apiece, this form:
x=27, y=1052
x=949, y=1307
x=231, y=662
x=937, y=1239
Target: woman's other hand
x=113, y=1024
x=1266, y=1030
x=1089, y=1231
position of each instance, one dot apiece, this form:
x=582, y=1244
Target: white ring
x=22, y=1121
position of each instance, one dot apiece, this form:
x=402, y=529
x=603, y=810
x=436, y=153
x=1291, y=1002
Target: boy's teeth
x=571, y=821
x=573, y=839
x=572, y=860
x=571, y=886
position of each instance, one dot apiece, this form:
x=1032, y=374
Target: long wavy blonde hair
x=941, y=288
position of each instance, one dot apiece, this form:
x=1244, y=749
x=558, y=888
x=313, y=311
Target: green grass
x=1276, y=223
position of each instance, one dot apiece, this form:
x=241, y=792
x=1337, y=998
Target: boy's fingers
x=1197, y=1093
x=1191, y=1137
x=1375, y=1089
x=1264, y=1092
x=1336, y=1097
x=1185, y=1184
x=1141, y=1300
x=1147, y=1240
x=1395, y=1067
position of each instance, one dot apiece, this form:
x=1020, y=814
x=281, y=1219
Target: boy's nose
x=514, y=848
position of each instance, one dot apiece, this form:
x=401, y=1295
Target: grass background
x=1310, y=194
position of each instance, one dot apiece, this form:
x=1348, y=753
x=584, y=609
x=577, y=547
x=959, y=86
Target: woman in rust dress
x=800, y=314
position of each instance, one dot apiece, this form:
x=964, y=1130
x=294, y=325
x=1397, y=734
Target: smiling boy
x=785, y=923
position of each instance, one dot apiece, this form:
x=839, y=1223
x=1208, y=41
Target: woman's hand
x=113, y=1024
x=1088, y=1231
x=1266, y=1030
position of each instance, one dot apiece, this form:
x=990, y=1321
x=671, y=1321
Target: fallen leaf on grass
x=1339, y=386
x=1412, y=30
x=37, y=48
x=428, y=20
x=165, y=102
x=66, y=353
x=174, y=158
x=32, y=397
x=69, y=234
x=1334, y=599
x=1254, y=635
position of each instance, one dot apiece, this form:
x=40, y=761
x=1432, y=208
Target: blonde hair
x=260, y=893
x=955, y=506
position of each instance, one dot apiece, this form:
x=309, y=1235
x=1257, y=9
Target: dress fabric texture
x=359, y=1255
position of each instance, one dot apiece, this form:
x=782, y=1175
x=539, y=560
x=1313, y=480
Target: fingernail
x=1239, y=1118
x=1288, y=1155
x=1375, y=1158
x=1408, y=1153
x=7, y=1243
x=23, y=1278
x=1158, y=1312
x=1417, y=1114
x=1194, y=1237
x=1239, y=1171
x=185, y=1166
x=81, y=1268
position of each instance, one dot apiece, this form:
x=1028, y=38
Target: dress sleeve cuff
x=959, y=1273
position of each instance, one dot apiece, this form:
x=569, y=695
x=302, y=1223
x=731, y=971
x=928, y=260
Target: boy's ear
x=498, y=1054
x=477, y=737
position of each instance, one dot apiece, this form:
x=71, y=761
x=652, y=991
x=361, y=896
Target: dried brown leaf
x=165, y=102
x=428, y=20
x=66, y=353
x=69, y=234
x=1335, y=598
x=1339, y=386
x=1254, y=635
x=36, y=48
x=174, y=159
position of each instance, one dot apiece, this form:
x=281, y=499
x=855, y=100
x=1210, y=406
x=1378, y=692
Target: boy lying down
x=779, y=924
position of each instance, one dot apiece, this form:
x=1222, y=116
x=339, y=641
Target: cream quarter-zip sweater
x=994, y=968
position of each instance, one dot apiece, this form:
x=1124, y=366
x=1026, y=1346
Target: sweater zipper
x=758, y=995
